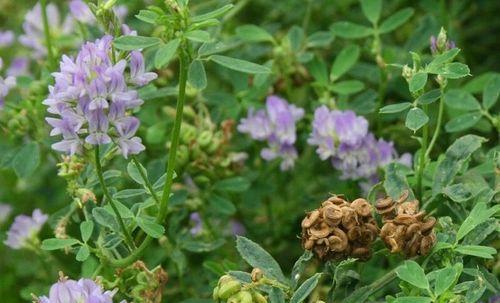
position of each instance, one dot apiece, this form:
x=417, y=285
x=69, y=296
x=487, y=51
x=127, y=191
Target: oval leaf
x=129, y=43
x=240, y=65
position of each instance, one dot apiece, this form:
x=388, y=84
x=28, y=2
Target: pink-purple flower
x=81, y=12
x=7, y=38
x=83, y=290
x=276, y=125
x=24, y=229
x=92, y=98
x=6, y=84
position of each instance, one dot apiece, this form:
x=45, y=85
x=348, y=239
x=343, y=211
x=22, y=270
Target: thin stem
x=382, y=90
x=146, y=180
x=98, y=167
x=46, y=31
x=438, y=126
x=423, y=158
x=172, y=155
x=137, y=253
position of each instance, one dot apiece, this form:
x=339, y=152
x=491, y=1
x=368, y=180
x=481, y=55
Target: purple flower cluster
x=24, y=228
x=92, y=96
x=196, y=222
x=435, y=48
x=6, y=84
x=276, y=125
x=18, y=67
x=83, y=290
x=7, y=38
x=343, y=137
x=34, y=37
x=81, y=12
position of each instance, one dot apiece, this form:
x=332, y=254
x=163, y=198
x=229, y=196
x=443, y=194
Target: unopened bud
x=442, y=39
x=257, y=274
x=407, y=72
x=228, y=289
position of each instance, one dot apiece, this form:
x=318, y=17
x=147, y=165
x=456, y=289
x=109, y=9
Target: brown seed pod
x=405, y=227
x=339, y=229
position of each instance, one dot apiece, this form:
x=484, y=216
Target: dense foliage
x=249, y=151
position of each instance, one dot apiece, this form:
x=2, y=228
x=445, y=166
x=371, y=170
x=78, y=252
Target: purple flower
x=81, y=12
x=6, y=38
x=18, y=67
x=436, y=48
x=5, y=86
x=24, y=229
x=237, y=228
x=92, y=98
x=197, y=223
x=83, y=290
x=34, y=37
x=5, y=211
x=276, y=125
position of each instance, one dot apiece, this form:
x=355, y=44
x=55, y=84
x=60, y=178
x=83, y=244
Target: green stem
x=383, y=281
x=438, y=126
x=46, y=31
x=145, y=179
x=423, y=158
x=98, y=167
x=382, y=90
x=136, y=254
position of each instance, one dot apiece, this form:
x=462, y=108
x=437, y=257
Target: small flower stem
x=46, y=31
x=98, y=167
x=146, y=180
x=382, y=90
x=423, y=158
x=438, y=125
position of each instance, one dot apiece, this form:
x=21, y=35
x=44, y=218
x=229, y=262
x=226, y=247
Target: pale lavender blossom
x=93, y=97
x=83, y=290
x=435, y=48
x=34, y=37
x=197, y=223
x=121, y=12
x=6, y=84
x=5, y=211
x=276, y=125
x=7, y=38
x=81, y=12
x=24, y=229
x=237, y=228
x=18, y=67
x=127, y=31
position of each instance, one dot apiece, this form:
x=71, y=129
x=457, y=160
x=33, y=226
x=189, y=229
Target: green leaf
x=446, y=277
x=455, y=70
x=165, y=53
x=54, y=243
x=412, y=300
x=129, y=193
x=395, y=108
x=491, y=92
x=305, y=289
x=359, y=295
x=221, y=205
x=253, y=33
x=196, y=75
x=148, y=16
x=437, y=63
x=455, y=156
x=462, y=100
x=296, y=38
x=198, y=36
x=481, y=232
x=372, y=9
x=350, y=30
x=457, y=192
x=320, y=39
x=26, y=160
x=344, y=61
x=198, y=246
x=123, y=210
x=417, y=82
x=412, y=273
x=256, y=256
x=476, y=290
x=234, y=184
x=135, y=172
x=86, y=228
x=299, y=266
x=213, y=14
x=429, y=97
x=395, y=182
x=240, y=65
x=416, y=118
x=150, y=227
x=129, y=43
x=105, y=218
x=83, y=253
x=347, y=87
x=317, y=68
x=396, y=20
x=462, y=122
x=479, y=214
x=477, y=251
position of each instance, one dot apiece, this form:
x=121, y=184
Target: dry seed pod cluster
x=339, y=229
x=405, y=227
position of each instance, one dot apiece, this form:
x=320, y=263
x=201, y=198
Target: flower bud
x=441, y=40
x=258, y=297
x=257, y=274
x=228, y=289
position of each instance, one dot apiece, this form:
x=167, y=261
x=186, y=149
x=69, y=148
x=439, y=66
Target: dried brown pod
x=406, y=229
x=338, y=229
